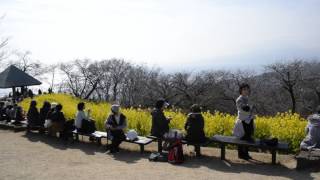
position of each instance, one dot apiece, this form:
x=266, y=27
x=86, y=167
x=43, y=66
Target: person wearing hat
x=160, y=123
x=115, y=125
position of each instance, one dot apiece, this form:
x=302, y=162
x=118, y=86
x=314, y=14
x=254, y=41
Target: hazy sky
x=172, y=34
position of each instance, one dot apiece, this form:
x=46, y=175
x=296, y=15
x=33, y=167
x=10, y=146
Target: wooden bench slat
x=141, y=140
x=236, y=141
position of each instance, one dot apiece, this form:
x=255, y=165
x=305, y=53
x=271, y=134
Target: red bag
x=175, y=155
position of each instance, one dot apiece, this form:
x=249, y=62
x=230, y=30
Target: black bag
x=88, y=126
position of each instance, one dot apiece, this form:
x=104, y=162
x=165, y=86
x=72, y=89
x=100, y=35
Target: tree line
x=288, y=85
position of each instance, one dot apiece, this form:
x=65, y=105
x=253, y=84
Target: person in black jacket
x=115, y=125
x=57, y=121
x=3, y=114
x=160, y=123
x=195, y=128
x=33, y=115
x=44, y=112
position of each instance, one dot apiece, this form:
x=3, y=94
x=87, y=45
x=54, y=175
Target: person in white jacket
x=312, y=140
x=244, y=125
x=83, y=123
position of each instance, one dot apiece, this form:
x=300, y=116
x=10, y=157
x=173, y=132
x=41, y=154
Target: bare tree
x=24, y=62
x=289, y=75
x=82, y=77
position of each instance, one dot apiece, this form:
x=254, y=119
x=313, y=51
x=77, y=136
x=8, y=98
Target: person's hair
x=59, y=107
x=81, y=106
x=2, y=103
x=195, y=108
x=318, y=109
x=160, y=103
x=33, y=104
x=243, y=86
x=46, y=105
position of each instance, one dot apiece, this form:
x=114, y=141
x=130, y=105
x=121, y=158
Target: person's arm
x=108, y=123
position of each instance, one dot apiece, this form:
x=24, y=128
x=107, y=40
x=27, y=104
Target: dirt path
x=33, y=156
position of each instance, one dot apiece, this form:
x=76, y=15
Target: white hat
x=54, y=104
x=115, y=108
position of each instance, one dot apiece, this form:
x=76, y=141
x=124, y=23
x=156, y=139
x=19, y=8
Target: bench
x=98, y=135
x=197, y=146
x=11, y=125
x=224, y=140
x=141, y=141
x=307, y=159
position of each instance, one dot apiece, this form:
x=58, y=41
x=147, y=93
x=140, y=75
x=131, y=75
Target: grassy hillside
x=284, y=126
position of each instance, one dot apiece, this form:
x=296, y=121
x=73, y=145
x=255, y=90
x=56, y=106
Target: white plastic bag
x=47, y=123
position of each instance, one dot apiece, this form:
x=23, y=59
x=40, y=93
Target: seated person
x=115, y=125
x=18, y=116
x=3, y=114
x=312, y=140
x=83, y=122
x=195, y=126
x=160, y=124
x=33, y=115
x=44, y=112
x=57, y=121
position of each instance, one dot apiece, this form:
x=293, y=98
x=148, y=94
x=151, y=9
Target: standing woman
x=115, y=125
x=244, y=126
x=33, y=115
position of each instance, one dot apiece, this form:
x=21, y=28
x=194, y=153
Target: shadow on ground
x=210, y=162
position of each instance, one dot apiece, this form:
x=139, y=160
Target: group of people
x=52, y=118
x=11, y=111
x=194, y=126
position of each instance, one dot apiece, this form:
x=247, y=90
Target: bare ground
x=34, y=156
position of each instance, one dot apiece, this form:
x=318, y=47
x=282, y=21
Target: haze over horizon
x=173, y=35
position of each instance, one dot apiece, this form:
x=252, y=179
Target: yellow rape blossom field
x=284, y=126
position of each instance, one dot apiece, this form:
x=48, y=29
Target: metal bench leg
x=160, y=145
x=99, y=141
x=274, y=156
x=223, y=151
x=77, y=137
x=141, y=148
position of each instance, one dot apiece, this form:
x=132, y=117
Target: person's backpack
x=175, y=155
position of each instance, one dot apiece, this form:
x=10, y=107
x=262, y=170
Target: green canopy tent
x=13, y=77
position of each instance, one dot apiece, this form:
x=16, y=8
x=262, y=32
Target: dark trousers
x=118, y=137
x=243, y=151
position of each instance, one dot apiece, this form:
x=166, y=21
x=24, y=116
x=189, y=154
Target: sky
x=172, y=34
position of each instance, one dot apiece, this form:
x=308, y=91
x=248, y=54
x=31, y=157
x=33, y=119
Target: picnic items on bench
x=224, y=140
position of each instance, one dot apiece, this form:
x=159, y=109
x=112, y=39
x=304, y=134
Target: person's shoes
x=117, y=149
